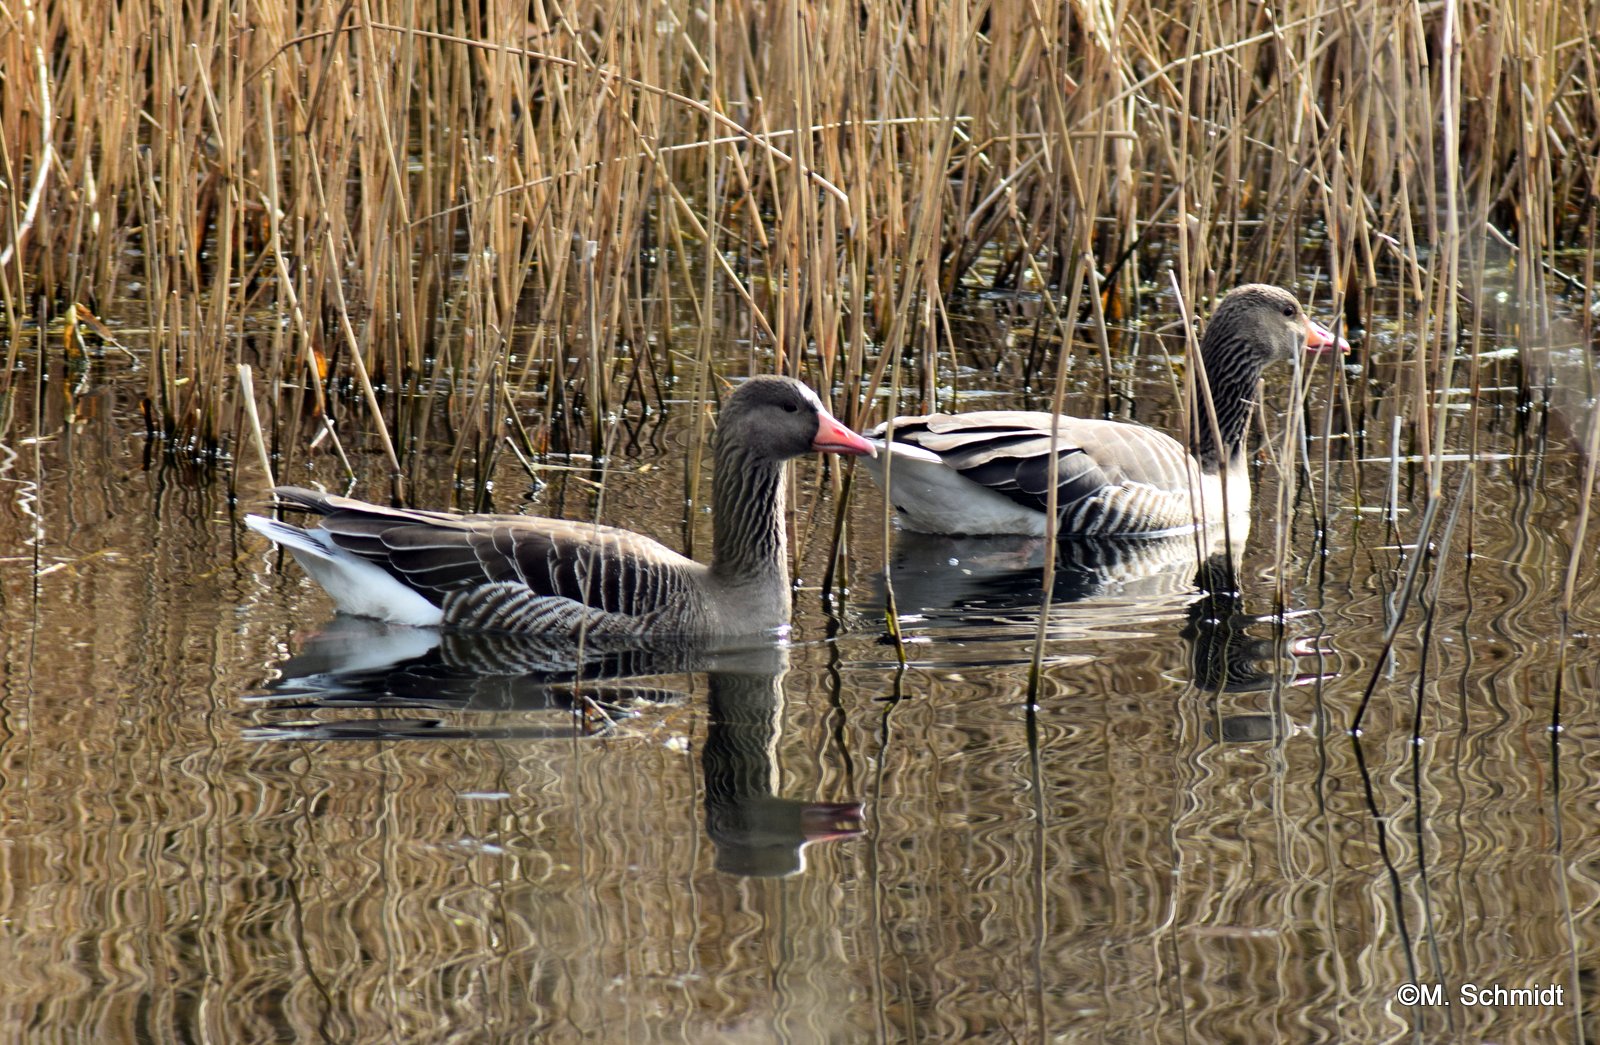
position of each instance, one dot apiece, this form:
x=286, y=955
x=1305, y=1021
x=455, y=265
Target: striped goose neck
x=749, y=542
x=1232, y=370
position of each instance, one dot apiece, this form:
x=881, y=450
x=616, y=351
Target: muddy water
x=229, y=816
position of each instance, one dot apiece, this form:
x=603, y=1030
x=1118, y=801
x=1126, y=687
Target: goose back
x=989, y=472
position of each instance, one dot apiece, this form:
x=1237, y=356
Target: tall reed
x=407, y=219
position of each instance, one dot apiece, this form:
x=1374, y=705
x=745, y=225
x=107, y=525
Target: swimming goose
x=987, y=472
x=557, y=579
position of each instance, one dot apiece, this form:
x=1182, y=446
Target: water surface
x=229, y=816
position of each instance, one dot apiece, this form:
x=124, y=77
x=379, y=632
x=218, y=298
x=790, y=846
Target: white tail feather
x=356, y=586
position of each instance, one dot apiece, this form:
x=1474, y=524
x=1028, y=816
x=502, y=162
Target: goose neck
x=1232, y=381
x=749, y=544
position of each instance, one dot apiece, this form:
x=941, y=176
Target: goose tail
x=357, y=587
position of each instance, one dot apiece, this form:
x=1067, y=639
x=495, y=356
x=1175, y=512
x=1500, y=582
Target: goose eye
x=1290, y=310
x=790, y=408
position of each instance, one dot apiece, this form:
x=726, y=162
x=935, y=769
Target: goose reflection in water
x=947, y=579
x=987, y=591
x=1234, y=656
x=355, y=663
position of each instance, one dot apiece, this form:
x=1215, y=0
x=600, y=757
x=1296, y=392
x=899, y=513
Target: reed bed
x=405, y=219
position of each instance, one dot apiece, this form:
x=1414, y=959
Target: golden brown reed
x=546, y=204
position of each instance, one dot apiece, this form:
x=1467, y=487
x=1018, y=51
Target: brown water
x=230, y=818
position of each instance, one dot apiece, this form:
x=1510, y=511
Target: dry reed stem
x=378, y=207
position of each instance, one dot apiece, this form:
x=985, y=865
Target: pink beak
x=1320, y=339
x=835, y=438
x=825, y=821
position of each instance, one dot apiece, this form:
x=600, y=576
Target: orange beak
x=835, y=438
x=1320, y=339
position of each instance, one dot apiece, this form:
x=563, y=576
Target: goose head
x=765, y=422
x=1251, y=327
x=1258, y=324
x=771, y=419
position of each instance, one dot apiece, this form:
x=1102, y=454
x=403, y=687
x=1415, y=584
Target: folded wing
x=1108, y=474
x=600, y=570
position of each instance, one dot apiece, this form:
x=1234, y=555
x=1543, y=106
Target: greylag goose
x=987, y=472
x=559, y=579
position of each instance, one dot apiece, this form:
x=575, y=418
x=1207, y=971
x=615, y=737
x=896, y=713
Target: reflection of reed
x=164, y=881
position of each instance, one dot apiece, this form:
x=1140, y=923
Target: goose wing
x=1008, y=451
x=601, y=568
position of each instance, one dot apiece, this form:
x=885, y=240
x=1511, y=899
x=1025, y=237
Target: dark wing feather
x=1009, y=452
x=601, y=567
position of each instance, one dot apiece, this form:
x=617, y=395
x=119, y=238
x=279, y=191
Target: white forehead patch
x=811, y=397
